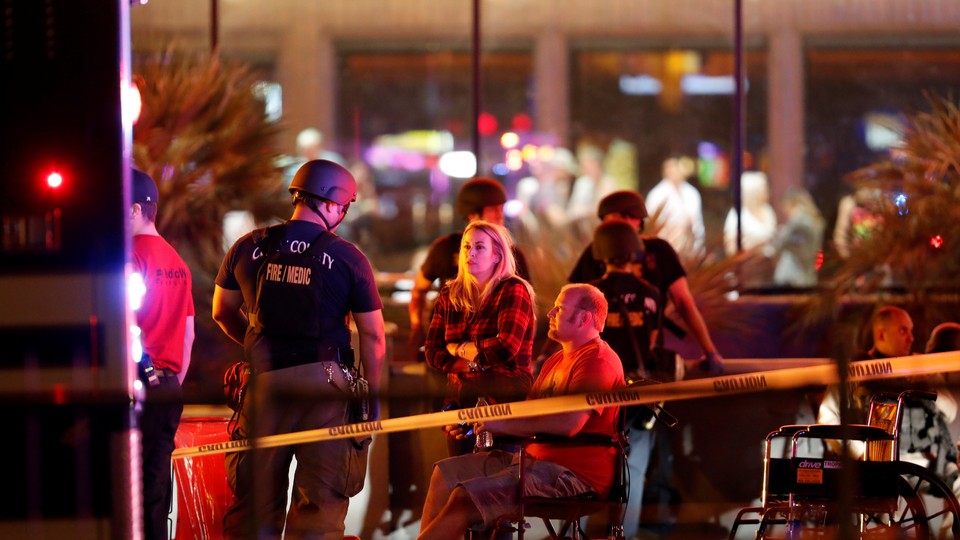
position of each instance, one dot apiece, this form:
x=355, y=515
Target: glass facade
x=856, y=99
x=576, y=99
x=590, y=81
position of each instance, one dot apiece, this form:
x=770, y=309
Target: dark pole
x=476, y=82
x=214, y=25
x=736, y=163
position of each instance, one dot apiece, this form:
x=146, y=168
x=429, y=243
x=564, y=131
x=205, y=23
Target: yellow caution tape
x=778, y=379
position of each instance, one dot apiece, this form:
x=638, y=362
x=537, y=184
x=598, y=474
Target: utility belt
x=164, y=373
x=151, y=375
x=285, y=353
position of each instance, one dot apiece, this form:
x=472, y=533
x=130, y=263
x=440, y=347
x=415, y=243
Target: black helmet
x=616, y=240
x=325, y=179
x=477, y=194
x=628, y=203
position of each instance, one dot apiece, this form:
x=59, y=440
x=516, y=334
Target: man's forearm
x=373, y=347
x=372, y=353
x=682, y=298
x=234, y=327
x=695, y=322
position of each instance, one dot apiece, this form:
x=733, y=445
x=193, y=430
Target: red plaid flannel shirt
x=503, y=329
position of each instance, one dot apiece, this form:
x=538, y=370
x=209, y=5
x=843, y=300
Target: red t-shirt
x=167, y=303
x=595, y=367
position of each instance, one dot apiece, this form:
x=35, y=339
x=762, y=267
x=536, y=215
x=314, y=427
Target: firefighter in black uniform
x=285, y=293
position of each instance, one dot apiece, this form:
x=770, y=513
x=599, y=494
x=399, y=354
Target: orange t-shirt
x=595, y=367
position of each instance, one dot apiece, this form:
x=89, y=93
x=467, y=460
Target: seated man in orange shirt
x=480, y=488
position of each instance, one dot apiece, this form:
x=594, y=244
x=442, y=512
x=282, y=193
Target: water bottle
x=484, y=437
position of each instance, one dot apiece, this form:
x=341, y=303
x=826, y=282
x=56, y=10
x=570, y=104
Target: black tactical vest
x=287, y=305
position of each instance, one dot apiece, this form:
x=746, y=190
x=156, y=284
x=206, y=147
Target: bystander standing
x=166, y=321
x=285, y=293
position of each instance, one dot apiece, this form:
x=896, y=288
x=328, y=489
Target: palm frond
x=203, y=136
x=914, y=250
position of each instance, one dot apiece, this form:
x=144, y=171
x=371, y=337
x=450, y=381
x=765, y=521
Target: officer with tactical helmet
x=660, y=266
x=632, y=330
x=479, y=198
x=285, y=293
x=633, y=319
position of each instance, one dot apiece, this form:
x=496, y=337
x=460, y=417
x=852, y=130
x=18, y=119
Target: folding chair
x=562, y=516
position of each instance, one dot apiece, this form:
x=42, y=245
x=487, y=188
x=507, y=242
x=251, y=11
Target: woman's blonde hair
x=465, y=292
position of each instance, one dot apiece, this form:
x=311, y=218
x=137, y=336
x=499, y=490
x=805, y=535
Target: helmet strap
x=315, y=208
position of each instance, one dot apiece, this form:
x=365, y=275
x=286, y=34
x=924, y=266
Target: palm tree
x=912, y=254
x=203, y=136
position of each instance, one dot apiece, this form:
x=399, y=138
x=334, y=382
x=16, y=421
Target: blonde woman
x=481, y=334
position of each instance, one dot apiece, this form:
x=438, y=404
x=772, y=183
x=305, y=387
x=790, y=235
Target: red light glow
x=522, y=122
x=936, y=241
x=54, y=180
x=487, y=124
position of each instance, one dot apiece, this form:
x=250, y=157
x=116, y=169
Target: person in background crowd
x=632, y=329
x=891, y=330
x=166, y=321
x=945, y=337
x=481, y=333
x=546, y=191
x=285, y=293
x=592, y=185
x=929, y=434
x=358, y=225
x=679, y=209
x=758, y=226
x=857, y=216
x=479, y=198
x=483, y=487
x=758, y=219
x=310, y=146
x=660, y=266
x=798, y=241
x=891, y=334
x=925, y=437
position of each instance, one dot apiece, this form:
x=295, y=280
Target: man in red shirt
x=166, y=321
x=482, y=487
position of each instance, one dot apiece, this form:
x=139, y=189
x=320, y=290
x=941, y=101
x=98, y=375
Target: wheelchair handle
x=919, y=394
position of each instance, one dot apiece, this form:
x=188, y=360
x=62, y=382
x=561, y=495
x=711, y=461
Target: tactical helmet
x=616, y=240
x=628, y=203
x=477, y=194
x=325, y=179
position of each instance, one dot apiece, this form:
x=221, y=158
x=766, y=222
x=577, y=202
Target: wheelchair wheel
x=926, y=509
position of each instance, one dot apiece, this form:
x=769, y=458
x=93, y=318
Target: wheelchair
x=809, y=495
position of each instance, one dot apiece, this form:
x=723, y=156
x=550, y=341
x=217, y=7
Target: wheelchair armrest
x=912, y=394
x=856, y=432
